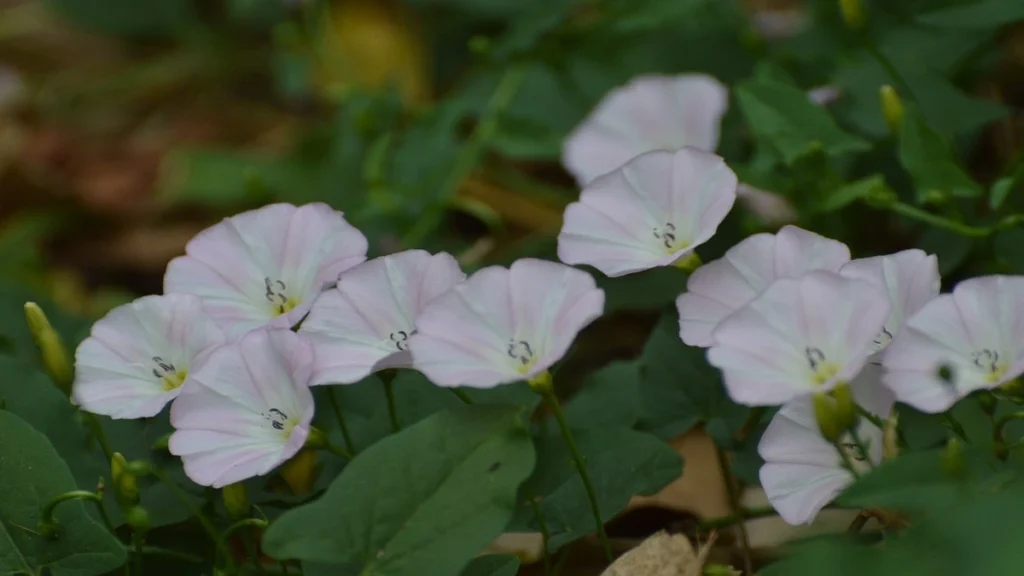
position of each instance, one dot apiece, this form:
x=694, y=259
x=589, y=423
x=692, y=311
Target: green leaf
x=781, y=117
x=679, y=389
x=930, y=160
x=1009, y=248
x=648, y=290
x=609, y=397
x=153, y=18
x=852, y=192
x=493, y=565
x=985, y=15
x=952, y=249
x=31, y=474
x=622, y=463
x=432, y=496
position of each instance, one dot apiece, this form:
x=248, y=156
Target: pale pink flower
x=803, y=472
x=365, y=323
x=972, y=339
x=825, y=95
x=265, y=268
x=910, y=279
x=719, y=288
x=137, y=356
x=504, y=325
x=800, y=336
x=246, y=410
x=651, y=212
x=649, y=113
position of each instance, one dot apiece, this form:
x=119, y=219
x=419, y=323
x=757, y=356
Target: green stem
x=887, y=64
x=1002, y=451
x=734, y=506
x=870, y=417
x=47, y=522
x=336, y=406
x=389, y=392
x=847, y=463
x=137, y=540
x=742, y=515
x=545, y=535
x=862, y=448
x=462, y=396
x=581, y=467
x=471, y=152
x=940, y=221
x=97, y=431
x=207, y=525
x=955, y=425
x=858, y=522
x=246, y=522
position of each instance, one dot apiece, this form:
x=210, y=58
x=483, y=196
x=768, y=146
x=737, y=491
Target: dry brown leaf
x=662, y=554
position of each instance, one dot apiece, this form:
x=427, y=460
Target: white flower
x=800, y=336
x=246, y=410
x=722, y=287
x=649, y=113
x=802, y=471
x=137, y=357
x=504, y=325
x=265, y=268
x=365, y=323
x=972, y=339
x=653, y=211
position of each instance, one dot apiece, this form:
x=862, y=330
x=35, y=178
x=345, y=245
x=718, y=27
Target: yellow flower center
x=276, y=294
x=822, y=369
x=669, y=240
x=523, y=354
x=174, y=380
x=989, y=362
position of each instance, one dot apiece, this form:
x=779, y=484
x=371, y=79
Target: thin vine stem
x=340, y=416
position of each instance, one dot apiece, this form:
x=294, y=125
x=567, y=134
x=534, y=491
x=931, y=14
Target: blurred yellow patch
x=372, y=44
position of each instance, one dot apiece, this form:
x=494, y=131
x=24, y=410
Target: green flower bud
x=892, y=108
x=236, y=501
x=835, y=412
x=953, y=457
x=162, y=443
x=51, y=347
x=854, y=13
x=137, y=518
x=126, y=485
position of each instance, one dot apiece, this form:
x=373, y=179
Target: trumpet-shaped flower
x=265, y=268
x=802, y=471
x=910, y=279
x=504, y=324
x=800, y=336
x=246, y=410
x=649, y=113
x=365, y=323
x=137, y=357
x=968, y=340
x=651, y=212
x=719, y=288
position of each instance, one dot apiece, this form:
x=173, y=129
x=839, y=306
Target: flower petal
x=651, y=212
x=719, y=288
x=799, y=336
x=264, y=268
x=504, y=325
x=246, y=410
x=136, y=357
x=649, y=113
x=977, y=333
x=364, y=324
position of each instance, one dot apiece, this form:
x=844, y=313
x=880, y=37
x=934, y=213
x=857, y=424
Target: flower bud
x=236, y=501
x=835, y=412
x=162, y=443
x=300, y=472
x=953, y=457
x=854, y=13
x=126, y=485
x=137, y=518
x=892, y=108
x=48, y=341
x=316, y=439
